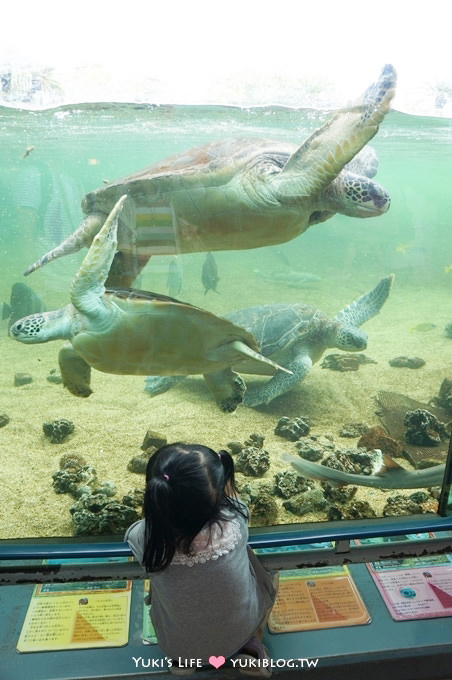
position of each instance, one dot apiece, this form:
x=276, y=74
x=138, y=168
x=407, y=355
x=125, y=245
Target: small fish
x=209, y=274
x=403, y=247
x=23, y=301
x=174, y=280
x=391, y=476
x=448, y=269
x=423, y=327
x=281, y=255
x=28, y=151
x=291, y=277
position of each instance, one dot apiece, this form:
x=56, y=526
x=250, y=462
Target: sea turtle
x=242, y=193
x=136, y=333
x=295, y=336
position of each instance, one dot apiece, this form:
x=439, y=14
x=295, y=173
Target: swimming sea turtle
x=135, y=333
x=295, y=336
x=242, y=193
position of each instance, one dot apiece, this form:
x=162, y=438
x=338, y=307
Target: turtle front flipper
x=364, y=163
x=81, y=238
x=227, y=387
x=88, y=285
x=366, y=306
x=324, y=154
x=75, y=372
x=279, y=383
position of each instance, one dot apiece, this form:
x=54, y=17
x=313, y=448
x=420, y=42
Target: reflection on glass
x=75, y=465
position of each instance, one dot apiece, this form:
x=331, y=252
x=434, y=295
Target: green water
x=87, y=145
x=76, y=149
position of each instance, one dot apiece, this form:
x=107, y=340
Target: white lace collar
x=211, y=543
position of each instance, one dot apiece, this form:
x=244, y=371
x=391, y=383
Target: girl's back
x=209, y=594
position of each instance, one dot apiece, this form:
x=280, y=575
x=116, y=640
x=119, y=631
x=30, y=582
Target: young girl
x=210, y=595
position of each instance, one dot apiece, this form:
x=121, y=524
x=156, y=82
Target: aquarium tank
x=293, y=264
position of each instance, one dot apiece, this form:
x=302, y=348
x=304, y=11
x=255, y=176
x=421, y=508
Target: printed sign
x=77, y=616
x=310, y=599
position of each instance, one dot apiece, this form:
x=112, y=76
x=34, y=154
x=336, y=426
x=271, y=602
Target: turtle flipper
x=366, y=306
x=75, y=372
x=81, y=238
x=324, y=154
x=88, y=285
x=279, y=383
x=364, y=163
x=227, y=387
x=155, y=384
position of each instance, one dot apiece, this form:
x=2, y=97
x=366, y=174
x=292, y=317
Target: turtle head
x=350, y=339
x=43, y=327
x=356, y=196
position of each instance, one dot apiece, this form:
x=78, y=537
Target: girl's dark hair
x=188, y=486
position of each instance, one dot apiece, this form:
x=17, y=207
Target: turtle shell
x=276, y=327
x=211, y=165
x=155, y=334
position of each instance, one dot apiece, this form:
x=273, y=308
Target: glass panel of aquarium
x=291, y=324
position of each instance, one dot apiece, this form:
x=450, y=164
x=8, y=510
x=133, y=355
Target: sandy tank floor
x=110, y=425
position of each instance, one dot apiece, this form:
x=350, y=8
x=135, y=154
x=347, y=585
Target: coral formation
x=356, y=461
x=354, y=510
x=58, y=430
x=313, y=447
x=345, y=362
x=288, y=483
x=252, y=489
x=341, y=494
x=82, y=480
x=253, y=461
x=264, y=510
x=79, y=479
x=401, y=505
x=95, y=515
x=134, y=498
x=312, y=499
x=352, y=430
x=256, y=440
x=423, y=428
x=292, y=428
x=72, y=462
x=407, y=362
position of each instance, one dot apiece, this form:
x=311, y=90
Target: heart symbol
x=216, y=661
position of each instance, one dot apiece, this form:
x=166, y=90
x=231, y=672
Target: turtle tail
x=81, y=238
x=252, y=354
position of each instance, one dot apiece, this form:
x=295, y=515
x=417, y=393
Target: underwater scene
x=311, y=336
